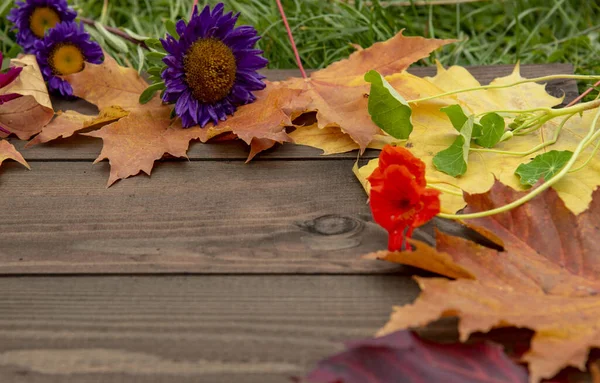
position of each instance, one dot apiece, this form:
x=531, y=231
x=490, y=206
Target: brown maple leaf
x=108, y=84
x=8, y=151
x=547, y=278
x=133, y=143
x=262, y=123
x=65, y=124
x=338, y=92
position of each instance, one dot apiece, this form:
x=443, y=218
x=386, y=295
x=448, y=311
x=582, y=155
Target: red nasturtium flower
x=400, y=201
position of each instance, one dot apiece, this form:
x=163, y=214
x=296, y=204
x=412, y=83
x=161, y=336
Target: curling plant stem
x=485, y=87
x=534, y=193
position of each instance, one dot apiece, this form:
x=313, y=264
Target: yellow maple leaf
x=433, y=133
x=339, y=93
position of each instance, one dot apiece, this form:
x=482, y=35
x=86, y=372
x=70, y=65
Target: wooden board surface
x=203, y=217
x=224, y=329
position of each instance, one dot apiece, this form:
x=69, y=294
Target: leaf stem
x=525, y=81
x=591, y=156
x=575, y=108
x=291, y=38
x=534, y=193
x=582, y=95
x=532, y=150
x=117, y=32
x=515, y=111
x=445, y=190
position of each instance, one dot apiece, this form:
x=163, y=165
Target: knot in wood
x=332, y=224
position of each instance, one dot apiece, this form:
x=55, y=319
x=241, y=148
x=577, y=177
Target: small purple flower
x=212, y=68
x=64, y=50
x=33, y=17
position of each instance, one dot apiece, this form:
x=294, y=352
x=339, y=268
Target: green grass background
x=490, y=32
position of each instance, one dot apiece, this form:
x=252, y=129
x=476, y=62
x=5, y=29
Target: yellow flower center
x=66, y=59
x=209, y=70
x=41, y=19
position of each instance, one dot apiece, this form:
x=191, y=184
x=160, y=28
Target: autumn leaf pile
x=136, y=135
x=546, y=278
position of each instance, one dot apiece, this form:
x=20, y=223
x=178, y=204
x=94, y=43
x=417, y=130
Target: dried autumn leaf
x=8, y=151
x=26, y=115
x=547, y=278
x=433, y=132
x=259, y=124
x=109, y=84
x=30, y=82
x=65, y=124
x=338, y=92
x=404, y=357
x=133, y=143
x=263, y=122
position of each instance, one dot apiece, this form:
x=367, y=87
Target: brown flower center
x=66, y=59
x=210, y=69
x=41, y=19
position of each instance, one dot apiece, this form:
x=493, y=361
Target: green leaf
x=453, y=161
x=154, y=44
x=171, y=29
x=155, y=57
x=544, y=166
x=492, y=130
x=141, y=58
x=147, y=95
x=388, y=109
x=456, y=115
x=155, y=71
x=135, y=35
x=458, y=118
x=111, y=39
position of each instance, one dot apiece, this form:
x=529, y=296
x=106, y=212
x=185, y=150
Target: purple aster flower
x=63, y=51
x=212, y=68
x=33, y=17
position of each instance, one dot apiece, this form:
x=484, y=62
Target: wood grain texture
x=201, y=217
x=87, y=148
x=185, y=329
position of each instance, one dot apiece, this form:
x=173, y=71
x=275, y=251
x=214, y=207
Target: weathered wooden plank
x=210, y=329
x=85, y=148
x=201, y=217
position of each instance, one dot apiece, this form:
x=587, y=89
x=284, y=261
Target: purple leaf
x=402, y=357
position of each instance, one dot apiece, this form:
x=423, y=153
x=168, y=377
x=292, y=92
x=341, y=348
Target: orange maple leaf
x=65, y=124
x=339, y=93
x=547, y=278
x=8, y=151
x=133, y=143
x=108, y=84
